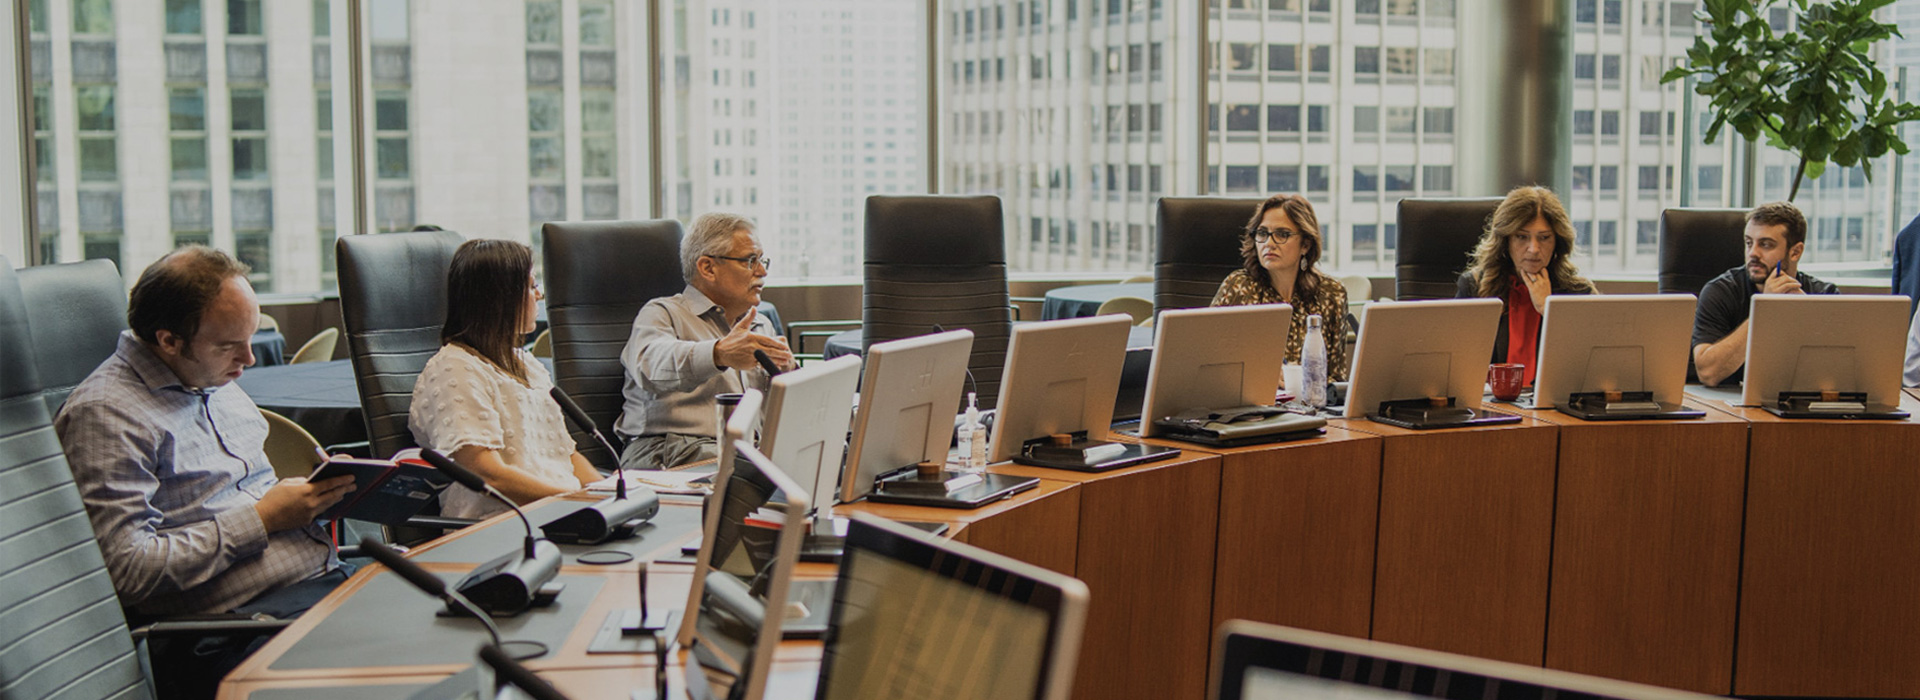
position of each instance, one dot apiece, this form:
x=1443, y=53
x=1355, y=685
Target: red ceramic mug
x=1506, y=379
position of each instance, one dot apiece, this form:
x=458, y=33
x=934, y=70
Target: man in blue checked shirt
x=169, y=457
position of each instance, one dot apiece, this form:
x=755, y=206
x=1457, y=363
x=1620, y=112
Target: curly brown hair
x=1493, y=265
x=1306, y=285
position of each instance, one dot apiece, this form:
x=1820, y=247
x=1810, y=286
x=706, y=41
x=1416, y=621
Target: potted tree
x=1814, y=92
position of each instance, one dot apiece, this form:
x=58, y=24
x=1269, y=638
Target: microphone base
x=514, y=582
x=610, y=519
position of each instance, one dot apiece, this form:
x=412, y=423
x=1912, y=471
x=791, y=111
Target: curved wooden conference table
x=1741, y=554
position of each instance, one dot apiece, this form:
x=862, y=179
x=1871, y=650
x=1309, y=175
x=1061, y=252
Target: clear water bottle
x=973, y=437
x=1313, y=364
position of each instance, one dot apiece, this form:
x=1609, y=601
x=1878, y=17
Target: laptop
x=739, y=553
x=1827, y=356
x=733, y=624
x=1255, y=661
x=910, y=389
x=915, y=616
x=1057, y=394
x=1616, y=357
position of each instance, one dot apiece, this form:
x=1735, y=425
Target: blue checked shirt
x=170, y=476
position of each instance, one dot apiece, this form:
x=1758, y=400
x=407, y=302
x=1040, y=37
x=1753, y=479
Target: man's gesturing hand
x=735, y=349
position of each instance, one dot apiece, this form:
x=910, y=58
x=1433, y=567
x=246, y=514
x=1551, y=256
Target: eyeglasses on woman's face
x=1278, y=236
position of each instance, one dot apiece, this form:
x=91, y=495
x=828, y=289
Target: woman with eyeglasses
x=1277, y=255
x=483, y=400
x=1524, y=256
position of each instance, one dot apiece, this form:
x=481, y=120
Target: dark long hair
x=1306, y=284
x=485, y=287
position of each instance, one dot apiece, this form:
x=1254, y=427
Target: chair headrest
x=582, y=256
x=935, y=230
x=378, y=270
x=1202, y=230
x=18, y=377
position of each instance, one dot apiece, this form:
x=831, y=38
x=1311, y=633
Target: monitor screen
x=909, y=390
x=1061, y=377
x=916, y=617
x=1826, y=342
x=1254, y=661
x=1220, y=357
x=1421, y=350
x=805, y=431
x=1622, y=342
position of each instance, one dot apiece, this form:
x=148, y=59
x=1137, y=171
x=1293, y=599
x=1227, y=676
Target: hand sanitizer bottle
x=1313, y=365
x=973, y=437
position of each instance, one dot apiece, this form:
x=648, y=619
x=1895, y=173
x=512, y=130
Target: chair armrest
x=435, y=522
x=361, y=449
x=212, y=626
x=798, y=331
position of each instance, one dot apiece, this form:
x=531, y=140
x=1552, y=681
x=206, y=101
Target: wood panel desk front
x=1466, y=518
x=1646, y=548
x=1830, y=580
x=1146, y=544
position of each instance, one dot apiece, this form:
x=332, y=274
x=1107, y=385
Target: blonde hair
x=1493, y=265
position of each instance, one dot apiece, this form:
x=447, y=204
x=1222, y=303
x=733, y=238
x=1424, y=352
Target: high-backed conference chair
x=939, y=260
x=1436, y=240
x=393, y=300
x=1697, y=245
x=1198, y=246
x=62, y=633
x=77, y=310
x=598, y=275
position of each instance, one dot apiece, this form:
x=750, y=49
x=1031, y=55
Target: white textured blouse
x=461, y=399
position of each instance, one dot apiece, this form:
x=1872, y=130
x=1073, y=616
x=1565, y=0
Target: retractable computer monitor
x=736, y=623
x=918, y=616
x=1813, y=343
x=805, y=431
x=1422, y=349
x=906, y=412
x=1628, y=342
x=1061, y=377
x=1215, y=358
x=1255, y=661
x=712, y=527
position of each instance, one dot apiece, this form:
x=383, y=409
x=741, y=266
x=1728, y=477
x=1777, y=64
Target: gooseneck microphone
x=467, y=478
x=506, y=670
x=512, y=582
x=766, y=363
x=433, y=586
x=617, y=517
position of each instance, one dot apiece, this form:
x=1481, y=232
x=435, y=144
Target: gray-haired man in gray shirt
x=689, y=348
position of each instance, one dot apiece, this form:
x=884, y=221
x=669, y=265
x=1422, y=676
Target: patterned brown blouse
x=1240, y=290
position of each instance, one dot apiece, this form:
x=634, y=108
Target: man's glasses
x=1279, y=236
x=751, y=261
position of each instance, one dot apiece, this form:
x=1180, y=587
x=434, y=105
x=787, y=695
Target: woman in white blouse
x=484, y=401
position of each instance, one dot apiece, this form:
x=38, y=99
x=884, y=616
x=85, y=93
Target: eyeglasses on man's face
x=751, y=261
x=1279, y=236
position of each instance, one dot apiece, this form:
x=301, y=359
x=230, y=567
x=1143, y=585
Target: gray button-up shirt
x=170, y=476
x=671, y=378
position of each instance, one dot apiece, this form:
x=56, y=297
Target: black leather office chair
x=939, y=260
x=393, y=300
x=1436, y=240
x=1697, y=245
x=1198, y=246
x=598, y=275
x=78, y=310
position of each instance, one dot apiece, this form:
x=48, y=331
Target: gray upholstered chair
x=598, y=276
x=1436, y=240
x=1198, y=245
x=77, y=311
x=939, y=260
